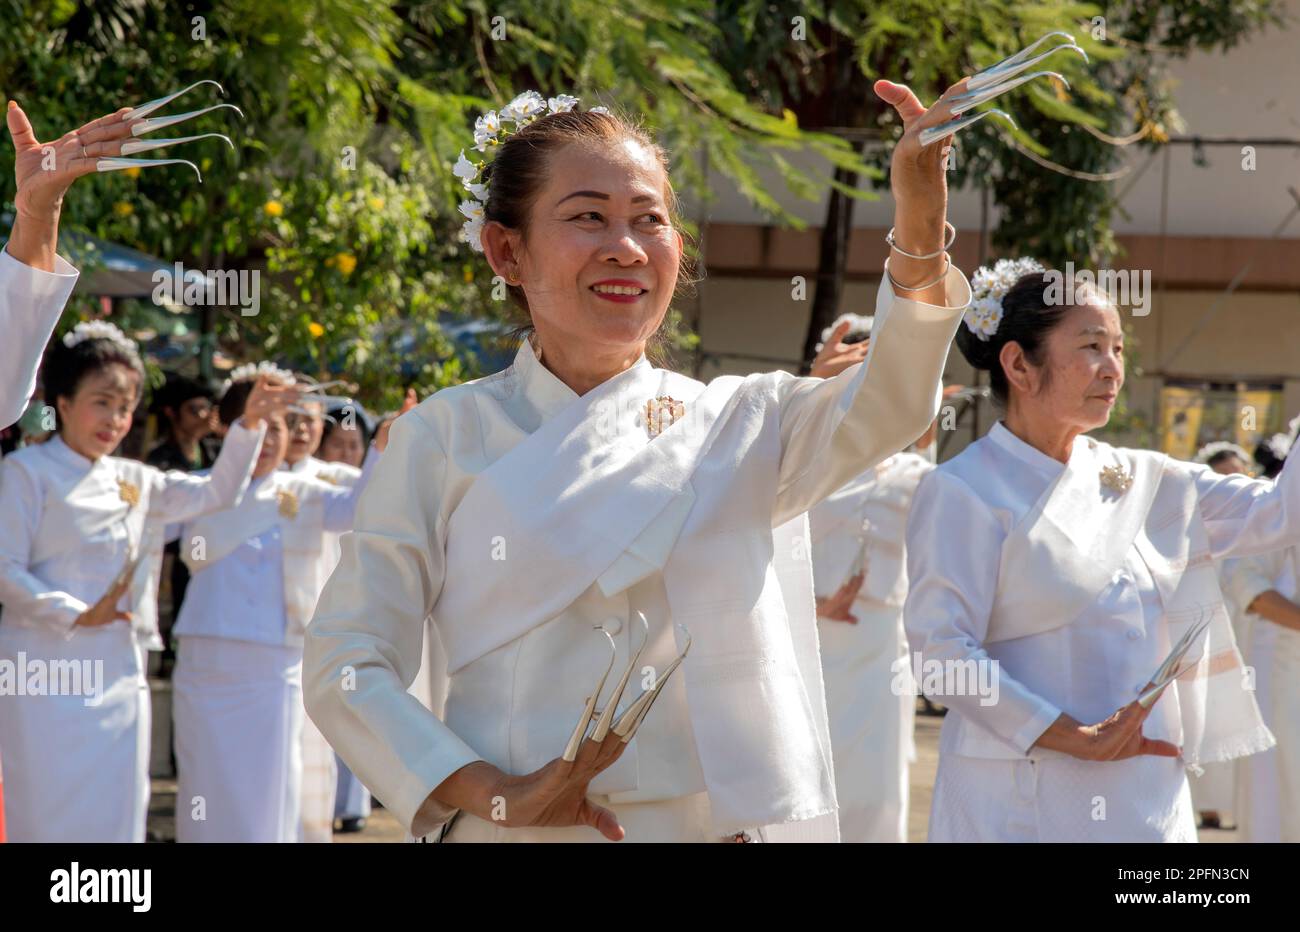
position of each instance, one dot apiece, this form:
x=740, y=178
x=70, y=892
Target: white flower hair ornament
x=859, y=324
x=1215, y=447
x=250, y=372
x=988, y=287
x=490, y=131
x=1278, y=444
x=101, y=330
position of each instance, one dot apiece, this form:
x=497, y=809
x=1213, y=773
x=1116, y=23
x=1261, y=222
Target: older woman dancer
x=1052, y=575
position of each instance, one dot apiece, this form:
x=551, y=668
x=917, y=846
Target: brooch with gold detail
x=288, y=503
x=661, y=408
x=1114, y=477
x=128, y=492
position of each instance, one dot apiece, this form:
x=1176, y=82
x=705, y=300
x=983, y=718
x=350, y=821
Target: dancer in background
x=76, y=528
x=257, y=570
x=860, y=577
x=1266, y=592
x=1213, y=789
x=320, y=775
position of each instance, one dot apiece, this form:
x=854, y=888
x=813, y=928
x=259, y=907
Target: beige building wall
x=1218, y=220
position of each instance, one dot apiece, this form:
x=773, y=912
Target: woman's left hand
x=1116, y=738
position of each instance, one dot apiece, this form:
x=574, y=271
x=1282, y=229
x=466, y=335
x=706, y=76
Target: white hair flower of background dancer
x=251, y=371
x=99, y=330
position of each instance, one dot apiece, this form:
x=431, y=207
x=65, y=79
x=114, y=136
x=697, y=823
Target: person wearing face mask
x=35, y=281
x=77, y=526
x=256, y=571
x=584, y=511
x=1055, y=581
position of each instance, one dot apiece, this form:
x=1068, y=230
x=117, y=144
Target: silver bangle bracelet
x=893, y=244
x=947, y=266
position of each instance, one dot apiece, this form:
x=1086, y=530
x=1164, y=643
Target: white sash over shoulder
x=592, y=498
x=1061, y=556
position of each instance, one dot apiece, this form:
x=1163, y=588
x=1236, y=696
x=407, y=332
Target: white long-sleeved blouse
x=1089, y=668
x=63, y=531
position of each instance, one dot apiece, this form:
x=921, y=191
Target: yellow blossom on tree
x=346, y=262
x=315, y=329
x=123, y=209
x=274, y=208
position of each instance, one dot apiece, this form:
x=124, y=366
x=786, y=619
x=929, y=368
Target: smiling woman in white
x=525, y=509
x=72, y=520
x=1064, y=569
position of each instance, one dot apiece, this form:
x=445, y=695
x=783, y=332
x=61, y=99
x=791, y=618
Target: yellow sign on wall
x=1193, y=417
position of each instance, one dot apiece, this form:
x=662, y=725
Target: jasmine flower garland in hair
x=249, y=372
x=99, y=330
x=1215, y=447
x=988, y=287
x=490, y=131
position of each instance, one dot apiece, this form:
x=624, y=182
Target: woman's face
x=343, y=445
x=274, y=446
x=304, y=432
x=600, y=223
x=95, y=418
x=1082, y=370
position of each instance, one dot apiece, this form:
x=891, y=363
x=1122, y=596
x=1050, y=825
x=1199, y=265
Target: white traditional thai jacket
x=520, y=516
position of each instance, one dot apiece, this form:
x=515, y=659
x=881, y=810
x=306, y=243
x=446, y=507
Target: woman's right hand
x=836, y=607
x=554, y=796
x=1116, y=738
x=268, y=397
x=105, y=610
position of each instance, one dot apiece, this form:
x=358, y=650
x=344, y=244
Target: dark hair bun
x=981, y=354
x=1027, y=319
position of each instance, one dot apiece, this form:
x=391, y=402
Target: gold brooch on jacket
x=129, y=492
x=657, y=409
x=288, y=503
